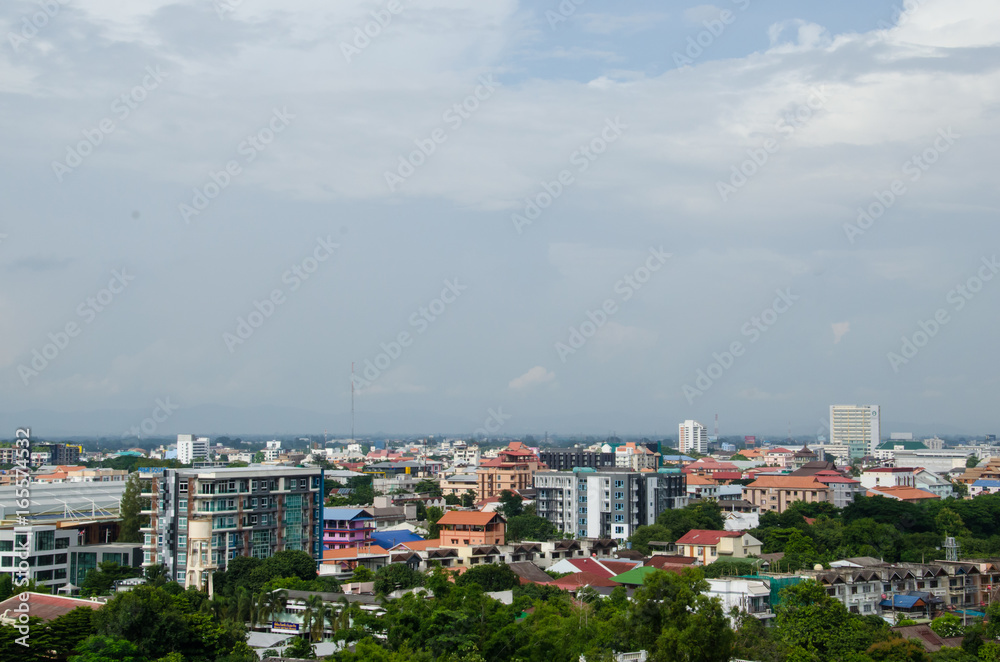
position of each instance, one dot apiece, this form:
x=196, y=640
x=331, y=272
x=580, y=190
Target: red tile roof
x=788, y=482
x=580, y=579
x=469, y=518
x=46, y=607
x=902, y=493
x=706, y=537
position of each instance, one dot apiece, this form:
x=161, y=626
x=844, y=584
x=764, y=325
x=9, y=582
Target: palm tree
x=314, y=617
x=243, y=605
x=156, y=574
x=269, y=604
x=218, y=606
x=340, y=617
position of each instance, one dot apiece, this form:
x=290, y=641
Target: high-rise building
x=190, y=448
x=250, y=512
x=857, y=427
x=607, y=503
x=692, y=436
x=562, y=459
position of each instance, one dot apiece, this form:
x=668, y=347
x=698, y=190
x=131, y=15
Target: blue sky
x=212, y=150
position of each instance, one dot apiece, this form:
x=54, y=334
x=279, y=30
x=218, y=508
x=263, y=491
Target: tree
x=739, y=457
x=6, y=586
x=948, y=625
x=130, y=509
x=258, y=457
x=433, y=515
x=396, y=576
x=102, y=648
x=510, y=504
x=291, y=563
x=363, y=574
x=300, y=648
x=99, y=580
x=530, y=527
x=156, y=575
x=428, y=485
x=314, y=617
x=972, y=461
x=63, y=634
x=452, y=500
x=468, y=499
x=814, y=625
x=948, y=522
x=490, y=576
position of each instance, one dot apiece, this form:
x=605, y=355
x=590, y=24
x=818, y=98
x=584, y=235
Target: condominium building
x=857, y=426
x=609, y=503
x=190, y=447
x=692, y=436
x=512, y=469
x=347, y=527
x=567, y=459
x=636, y=457
x=252, y=511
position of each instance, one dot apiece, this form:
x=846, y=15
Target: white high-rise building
x=692, y=436
x=857, y=427
x=190, y=448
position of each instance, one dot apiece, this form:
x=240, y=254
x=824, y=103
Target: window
x=701, y=551
x=619, y=529
x=45, y=541
x=619, y=506
x=182, y=540
x=619, y=495
x=253, y=519
x=253, y=502
x=182, y=558
x=182, y=487
x=711, y=550
x=619, y=518
x=182, y=504
x=182, y=523
x=619, y=483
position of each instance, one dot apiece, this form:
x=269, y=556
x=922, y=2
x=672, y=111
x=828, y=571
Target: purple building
x=347, y=527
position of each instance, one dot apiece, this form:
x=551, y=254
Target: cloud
x=537, y=375
x=596, y=23
x=840, y=329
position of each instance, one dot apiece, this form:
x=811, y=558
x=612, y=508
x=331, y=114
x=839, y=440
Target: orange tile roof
x=470, y=518
x=419, y=545
x=351, y=552
x=789, y=482
x=903, y=493
x=696, y=479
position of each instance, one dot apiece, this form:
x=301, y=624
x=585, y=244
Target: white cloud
x=840, y=329
x=535, y=376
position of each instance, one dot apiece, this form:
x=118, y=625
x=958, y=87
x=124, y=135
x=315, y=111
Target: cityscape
x=499, y=331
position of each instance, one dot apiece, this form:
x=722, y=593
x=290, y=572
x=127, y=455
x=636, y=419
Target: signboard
x=150, y=470
x=281, y=626
x=750, y=441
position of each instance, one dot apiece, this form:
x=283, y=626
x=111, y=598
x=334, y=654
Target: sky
x=508, y=216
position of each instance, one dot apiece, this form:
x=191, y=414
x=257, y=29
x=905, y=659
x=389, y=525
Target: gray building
x=254, y=511
x=567, y=459
x=607, y=503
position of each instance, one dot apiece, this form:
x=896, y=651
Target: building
x=886, y=451
x=692, y=436
x=776, y=493
x=254, y=511
x=842, y=489
x=463, y=455
x=59, y=453
x=512, y=469
x=190, y=447
x=347, y=527
x=567, y=459
x=934, y=483
x=888, y=477
x=635, y=457
x=750, y=596
x=459, y=484
x=941, y=460
x=71, y=474
x=856, y=426
x=472, y=528
x=902, y=493
x=710, y=546
x=609, y=503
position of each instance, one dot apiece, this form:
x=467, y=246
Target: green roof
x=635, y=576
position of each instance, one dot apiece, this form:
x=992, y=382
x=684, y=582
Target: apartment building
x=888, y=477
x=253, y=511
x=191, y=448
x=842, y=489
x=472, y=528
x=856, y=426
x=458, y=484
x=776, y=493
x=635, y=457
x=512, y=469
x=692, y=436
x=608, y=503
x=347, y=527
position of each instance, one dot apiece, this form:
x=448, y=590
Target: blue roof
x=344, y=513
x=901, y=601
x=676, y=458
x=986, y=483
x=389, y=539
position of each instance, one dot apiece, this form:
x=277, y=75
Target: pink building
x=347, y=527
